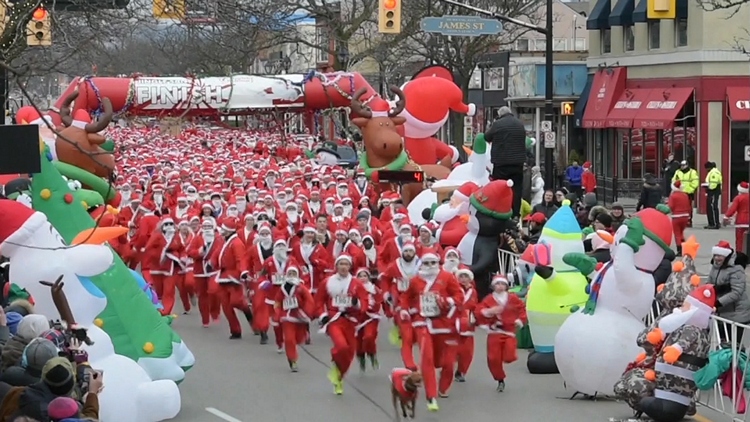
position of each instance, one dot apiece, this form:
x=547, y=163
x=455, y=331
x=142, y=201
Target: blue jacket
x=574, y=175
x=719, y=361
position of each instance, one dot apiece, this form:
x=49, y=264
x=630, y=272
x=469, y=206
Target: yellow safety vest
x=688, y=179
x=713, y=179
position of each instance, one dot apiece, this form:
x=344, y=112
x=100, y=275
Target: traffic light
x=169, y=9
x=568, y=108
x=389, y=17
x=39, y=28
x=662, y=9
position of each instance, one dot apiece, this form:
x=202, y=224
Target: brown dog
x=404, y=386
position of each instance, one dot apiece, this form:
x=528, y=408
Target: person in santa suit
x=194, y=222
x=258, y=253
x=465, y=323
x=342, y=245
x=392, y=228
x=182, y=209
x=328, y=203
x=146, y=227
x=241, y=200
x=314, y=205
x=217, y=205
x=452, y=260
x=185, y=279
x=426, y=239
x=130, y=213
x=348, y=207
x=272, y=272
x=369, y=318
x=314, y=259
x=164, y=251
x=124, y=247
x=230, y=262
x=680, y=206
x=322, y=232
x=361, y=188
x=740, y=210
x=367, y=223
x=370, y=250
x=436, y=297
x=356, y=237
x=394, y=281
x=338, y=302
x=294, y=305
x=392, y=248
x=501, y=314
x=339, y=218
x=200, y=250
x=291, y=220
x=207, y=210
x=342, y=191
x=270, y=208
x=159, y=199
x=247, y=232
x=453, y=216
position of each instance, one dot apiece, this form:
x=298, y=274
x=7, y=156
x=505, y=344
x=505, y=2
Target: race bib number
x=428, y=306
x=277, y=280
x=342, y=301
x=403, y=284
x=290, y=303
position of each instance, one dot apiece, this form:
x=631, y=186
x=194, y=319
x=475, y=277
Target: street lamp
x=269, y=67
x=343, y=57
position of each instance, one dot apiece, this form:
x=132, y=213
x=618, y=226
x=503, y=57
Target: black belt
x=693, y=360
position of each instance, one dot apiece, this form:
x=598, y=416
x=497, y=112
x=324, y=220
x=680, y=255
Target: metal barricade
x=507, y=261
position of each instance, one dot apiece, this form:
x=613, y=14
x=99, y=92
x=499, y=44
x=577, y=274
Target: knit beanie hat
x=14, y=318
x=63, y=408
x=59, y=376
x=32, y=326
x=37, y=353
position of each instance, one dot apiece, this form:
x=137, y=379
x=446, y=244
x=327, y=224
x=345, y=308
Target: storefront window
x=738, y=170
x=623, y=137
x=650, y=151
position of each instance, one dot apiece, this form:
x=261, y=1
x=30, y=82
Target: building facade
x=671, y=86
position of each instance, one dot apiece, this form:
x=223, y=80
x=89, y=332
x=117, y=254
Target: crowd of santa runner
x=252, y=224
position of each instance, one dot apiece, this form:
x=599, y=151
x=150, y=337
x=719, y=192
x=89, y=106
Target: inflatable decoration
x=596, y=343
x=635, y=384
x=520, y=278
x=555, y=288
x=490, y=210
x=384, y=147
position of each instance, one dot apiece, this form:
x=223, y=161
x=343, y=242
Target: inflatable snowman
x=595, y=344
x=37, y=252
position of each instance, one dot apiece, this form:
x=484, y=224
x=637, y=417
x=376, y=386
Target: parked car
x=349, y=158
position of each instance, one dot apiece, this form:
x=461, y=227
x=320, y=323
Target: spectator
x=597, y=247
x=650, y=193
x=507, y=135
x=668, y=169
x=603, y=222
x=526, y=191
x=730, y=282
x=13, y=319
x=560, y=195
x=664, y=270
x=536, y=224
x=66, y=409
x=574, y=178
x=617, y=212
x=33, y=325
x=537, y=187
x=36, y=354
x=713, y=194
x=547, y=206
x=588, y=179
x=584, y=210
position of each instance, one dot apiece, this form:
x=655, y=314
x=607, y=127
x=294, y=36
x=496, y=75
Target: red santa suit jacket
x=336, y=299
x=230, y=261
x=466, y=321
x=351, y=249
x=679, y=204
x=315, y=261
x=435, y=303
x=164, y=255
x=294, y=304
x=740, y=207
x=200, y=252
x=512, y=315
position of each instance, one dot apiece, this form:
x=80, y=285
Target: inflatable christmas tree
x=136, y=328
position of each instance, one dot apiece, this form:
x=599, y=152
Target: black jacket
x=650, y=196
x=546, y=208
x=508, y=138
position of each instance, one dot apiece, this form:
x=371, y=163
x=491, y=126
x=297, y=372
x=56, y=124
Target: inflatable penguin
x=490, y=211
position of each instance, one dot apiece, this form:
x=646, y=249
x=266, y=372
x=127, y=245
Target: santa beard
x=209, y=236
x=429, y=273
x=158, y=199
x=264, y=241
x=280, y=254
x=678, y=318
x=241, y=206
x=292, y=216
x=451, y=265
x=348, y=210
x=125, y=195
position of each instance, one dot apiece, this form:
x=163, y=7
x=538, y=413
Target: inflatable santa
x=454, y=216
x=430, y=96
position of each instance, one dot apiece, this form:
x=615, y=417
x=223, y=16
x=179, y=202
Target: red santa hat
x=229, y=224
x=264, y=227
x=20, y=223
x=465, y=271
x=450, y=249
x=409, y=246
x=677, y=186
x=362, y=270
x=309, y=228
x=429, y=101
x=586, y=165
x=495, y=200
x=703, y=298
x=465, y=191
x=723, y=248
x=743, y=187
x=340, y=258
x=81, y=118
x=657, y=226
x=429, y=254
x=498, y=278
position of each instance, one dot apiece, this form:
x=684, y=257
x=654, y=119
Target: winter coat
x=650, y=196
x=526, y=190
x=12, y=352
x=574, y=175
x=719, y=362
x=508, y=138
x=662, y=272
x=537, y=190
x=730, y=283
x=18, y=377
x=546, y=208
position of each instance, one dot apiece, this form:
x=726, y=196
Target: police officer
x=688, y=178
x=713, y=193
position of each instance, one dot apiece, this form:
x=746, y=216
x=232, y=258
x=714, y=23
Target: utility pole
x=546, y=30
x=3, y=91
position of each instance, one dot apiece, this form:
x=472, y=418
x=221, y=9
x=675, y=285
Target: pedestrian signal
x=568, y=108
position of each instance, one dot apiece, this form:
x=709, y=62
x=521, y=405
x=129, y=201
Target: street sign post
x=461, y=26
x=546, y=126
x=549, y=139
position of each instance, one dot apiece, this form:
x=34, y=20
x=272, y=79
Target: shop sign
x=662, y=105
x=653, y=124
x=631, y=105
x=743, y=105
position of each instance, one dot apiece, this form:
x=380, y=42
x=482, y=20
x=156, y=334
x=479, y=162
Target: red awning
x=626, y=107
x=606, y=87
x=661, y=108
x=738, y=103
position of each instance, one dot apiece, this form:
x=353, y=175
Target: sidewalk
x=707, y=239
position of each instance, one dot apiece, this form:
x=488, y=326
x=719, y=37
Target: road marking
x=221, y=415
x=699, y=418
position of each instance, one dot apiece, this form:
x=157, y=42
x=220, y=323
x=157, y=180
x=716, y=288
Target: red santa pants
x=164, y=286
x=278, y=333
x=294, y=334
x=208, y=298
x=465, y=353
x=367, y=338
x=739, y=239
x=232, y=296
x=186, y=287
x=406, y=332
x=437, y=351
x=341, y=332
x=501, y=348
x=679, y=225
x=261, y=314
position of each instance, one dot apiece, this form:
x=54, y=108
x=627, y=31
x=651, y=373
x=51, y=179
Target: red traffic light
x=390, y=4
x=39, y=14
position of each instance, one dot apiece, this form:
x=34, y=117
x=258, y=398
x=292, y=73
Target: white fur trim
x=472, y=109
x=343, y=257
x=740, y=189
x=454, y=157
x=509, y=183
x=23, y=234
x=465, y=271
x=427, y=256
x=415, y=128
x=225, y=228
x=496, y=280
x=409, y=247
x=716, y=250
x=282, y=241
x=676, y=188
x=706, y=294
x=79, y=124
x=309, y=229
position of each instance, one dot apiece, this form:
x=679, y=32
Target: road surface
x=242, y=381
